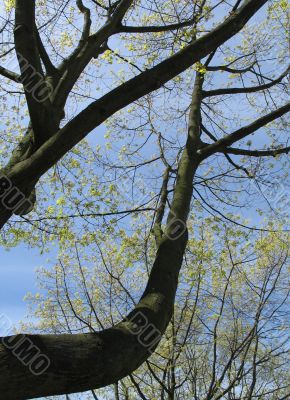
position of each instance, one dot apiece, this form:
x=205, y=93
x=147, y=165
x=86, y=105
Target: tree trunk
x=91, y=361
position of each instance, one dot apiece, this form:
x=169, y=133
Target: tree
x=226, y=339
x=109, y=355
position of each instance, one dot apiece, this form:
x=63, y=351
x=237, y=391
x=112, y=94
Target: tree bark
x=4, y=215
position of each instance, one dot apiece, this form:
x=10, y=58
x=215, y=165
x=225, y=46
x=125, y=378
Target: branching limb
x=233, y=163
x=222, y=144
x=72, y=67
x=230, y=70
x=253, y=89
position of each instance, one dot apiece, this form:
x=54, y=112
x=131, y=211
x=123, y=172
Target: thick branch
x=9, y=74
x=222, y=144
x=25, y=38
x=157, y=28
x=49, y=67
x=28, y=57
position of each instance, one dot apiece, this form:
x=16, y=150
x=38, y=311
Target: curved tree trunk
x=90, y=361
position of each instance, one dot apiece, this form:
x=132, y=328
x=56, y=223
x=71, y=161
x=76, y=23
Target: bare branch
x=258, y=153
x=87, y=19
x=222, y=144
x=157, y=28
x=220, y=92
x=230, y=70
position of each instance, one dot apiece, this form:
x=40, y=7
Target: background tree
x=115, y=352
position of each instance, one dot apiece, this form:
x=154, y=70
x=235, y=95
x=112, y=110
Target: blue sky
x=17, y=276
